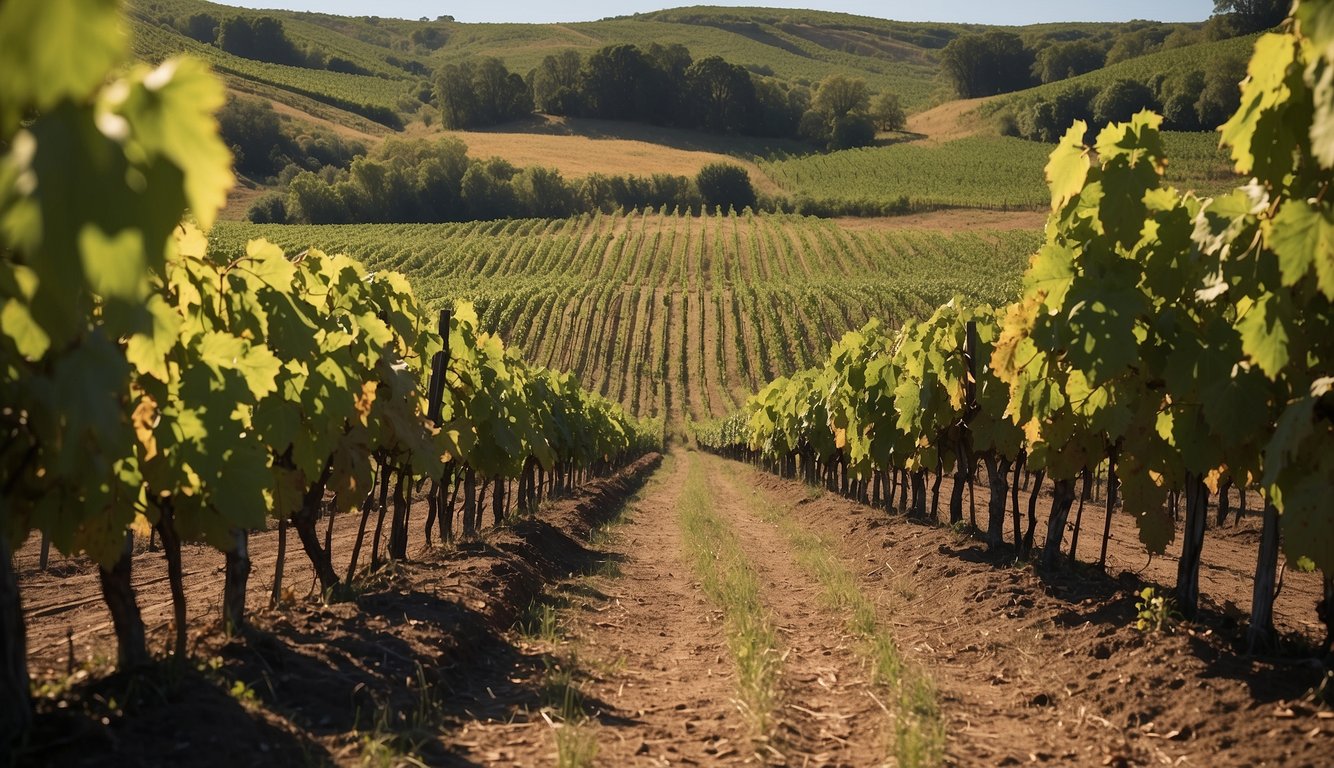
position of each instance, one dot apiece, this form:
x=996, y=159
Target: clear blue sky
x=977, y=11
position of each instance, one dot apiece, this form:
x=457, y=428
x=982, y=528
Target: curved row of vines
x=1182, y=343
x=144, y=382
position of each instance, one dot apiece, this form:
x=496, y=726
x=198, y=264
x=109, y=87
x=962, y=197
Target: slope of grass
x=373, y=97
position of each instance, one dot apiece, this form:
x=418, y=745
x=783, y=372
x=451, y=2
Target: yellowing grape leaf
x=17, y=323
x=1068, y=166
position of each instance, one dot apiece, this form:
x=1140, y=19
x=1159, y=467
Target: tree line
x=997, y=62
x=274, y=149
x=665, y=85
x=425, y=181
x=1191, y=100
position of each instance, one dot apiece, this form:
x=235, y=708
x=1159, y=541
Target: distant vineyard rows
x=672, y=316
x=975, y=172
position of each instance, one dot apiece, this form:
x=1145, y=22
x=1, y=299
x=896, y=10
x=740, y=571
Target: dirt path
x=829, y=713
x=650, y=651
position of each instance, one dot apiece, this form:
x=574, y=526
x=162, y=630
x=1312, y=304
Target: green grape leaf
x=114, y=264
x=1302, y=236
x=238, y=493
x=256, y=364
x=1068, y=166
x=267, y=264
x=1267, y=329
x=147, y=351
x=1102, y=319
x=172, y=110
x=1302, y=496
x=54, y=49
x=1262, y=95
x=1317, y=25
x=1144, y=499
x=1295, y=425
x=1051, y=270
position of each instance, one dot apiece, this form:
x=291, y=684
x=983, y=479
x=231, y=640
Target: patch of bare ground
x=1047, y=667
x=310, y=683
x=952, y=120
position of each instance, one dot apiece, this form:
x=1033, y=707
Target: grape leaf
x=1266, y=332
x=1068, y=166
x=1302, y=236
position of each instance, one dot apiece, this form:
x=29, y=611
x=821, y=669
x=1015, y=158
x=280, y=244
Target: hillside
x=384, y=63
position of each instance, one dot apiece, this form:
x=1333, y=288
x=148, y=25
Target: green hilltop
x=381, y=69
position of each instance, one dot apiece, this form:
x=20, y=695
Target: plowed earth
x=439, y=661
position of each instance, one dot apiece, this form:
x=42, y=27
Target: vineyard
x=654, y=489
x=975, y=172
x=674, y=317
x=376, y=98
x=1179, y=378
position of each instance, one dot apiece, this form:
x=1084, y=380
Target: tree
x=501, y=95
x=313, y=201
x=1117, y=102
x=1059, y=61
x=1220, y=94
x=262, y=39
x=888, y=113
x=852, y=130
x=1179, y=96
x=251, y=128
x=202, y=27
x=542, y=193
x=455, y=96
x=725, y=185
x=555, y=83
x=1254, y=15
x=987, y=64
x=268, y=209
x=839, y=96
x=613, y=83
x=486, y=189
x=721, y=96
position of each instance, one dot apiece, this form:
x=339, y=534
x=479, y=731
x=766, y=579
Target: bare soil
x=310, y=683
x=1047, y=667
x=1031, y=666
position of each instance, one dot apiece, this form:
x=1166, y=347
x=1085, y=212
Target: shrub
x=1119, y=101
x=269, y=209
x=725, y=185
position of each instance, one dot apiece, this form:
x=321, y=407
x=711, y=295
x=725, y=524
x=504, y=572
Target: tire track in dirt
x=673, y=685
x=828, y=714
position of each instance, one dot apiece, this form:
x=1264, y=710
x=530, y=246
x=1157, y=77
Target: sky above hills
x=976, y=11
